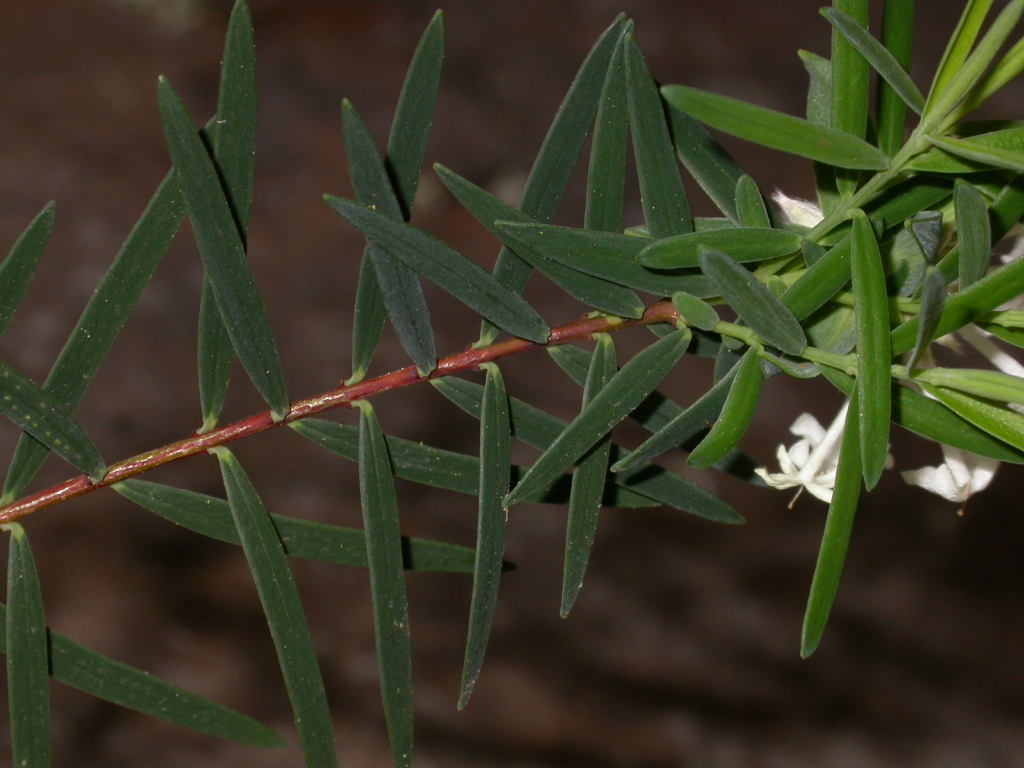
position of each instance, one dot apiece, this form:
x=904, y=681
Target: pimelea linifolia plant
x=894, y=258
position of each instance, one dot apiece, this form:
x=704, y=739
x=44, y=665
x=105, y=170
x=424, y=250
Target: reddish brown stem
x=659, y=312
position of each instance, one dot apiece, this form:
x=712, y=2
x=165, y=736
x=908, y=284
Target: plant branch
x=468, y=359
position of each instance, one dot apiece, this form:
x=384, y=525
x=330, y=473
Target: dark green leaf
x=612, y=404
x=495, y=442
x=736, y=414
x=28, y=683
x=897, y=33
x=215, y=355
x=874, y=358
x=19, y=266
x=750, y=208
x=606, y=255
x=937, y=160
x=823, y=280
x=587, y=483
x=666, y=211
x=37, y=412
x=999, y=421
x=223, y=255
x=754, y=303
x=933, y=296
x=102, y=320
x=285, y=618
x=776, y=130
x=994, y=157
x=210, y=516
x=694, y=311
x=926, y=227
x=387, y=586
x=606, y=175
x=743, y=244
x=850, y=81
x=836, y=538
x=399, y=284
x=449, y=269
x=974, y=231
x=819, y=89
x=593, y=291
x=134, y=689
x=551, y=170
x=877, y=56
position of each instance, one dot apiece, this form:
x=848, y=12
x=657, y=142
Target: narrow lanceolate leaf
x=102, y=320
x=754, y=303
x=495, y=446
x=743, y=244
x=541, y=430
x=750, y=208
x=232, y=136
x=877, y=56
x=666, y=211
x=981, y=153
x=850, y=81
x=836, y=538
x=959, y=46
x=694, y=311
x=587, y=483
x=874, y=358
x=450, y=270
x=387, y=587
x=897, y=34
x=37, y=412
x=606, y=175
x=823, y=280
x=210, y=516
x=709, y=164
x=612, y=404
x=594, y=291
x=20, y=264
x=404, y=159
x=933, y=297
x=936, y=160
x=550, y=172
x=110, y=680
x=28, y=653
x=776, y=130
x=399, y=285
x=994, y=385
x=740, y=404
x=285, y=618
x=223, y=254
x=998, y=420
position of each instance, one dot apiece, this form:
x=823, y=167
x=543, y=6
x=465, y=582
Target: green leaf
x=612, y=404
x=936, y=160
x=822, y=280
x=28, y=654
x=387, y=587
x=403, y=160
x=836, y=538
x=736, y=414
x=1008, y=68
x=694, y=311
x=112, y=681
x=710, y=165
x=223, y=255
x=593, y=291
x=210, y=516
x=102, y=320
x=20, y=264
x=933, y=296
x=743, y=244
x=874, y=357
x=587, y=483
x=776, y=130
x=850, y=73
x=606, y=175
x=540, y=430
x=666, y=211
x=992, y=156
x=495, y=442
x=891, y=110
x=550, y=172
x=958, y=47
x=399, y=284
x=447, y=268
x=755, y=304
x=215, y=355
x=606, y=255
x=877, y=56
x=993, y=385
x=999, y=421
x=285, y=618
x=819, y=87
x=974, y=231
x=750, y=208
x=42, y=416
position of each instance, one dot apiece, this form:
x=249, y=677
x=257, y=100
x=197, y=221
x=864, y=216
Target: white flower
x=810, y=462
x=961, y=475
x=801, y=213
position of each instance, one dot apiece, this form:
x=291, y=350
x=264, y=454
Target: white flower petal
x=801, y=213
x=961, y=475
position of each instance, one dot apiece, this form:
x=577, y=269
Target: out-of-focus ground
x=683, y=648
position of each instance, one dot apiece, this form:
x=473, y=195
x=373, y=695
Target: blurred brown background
x=683, y=649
